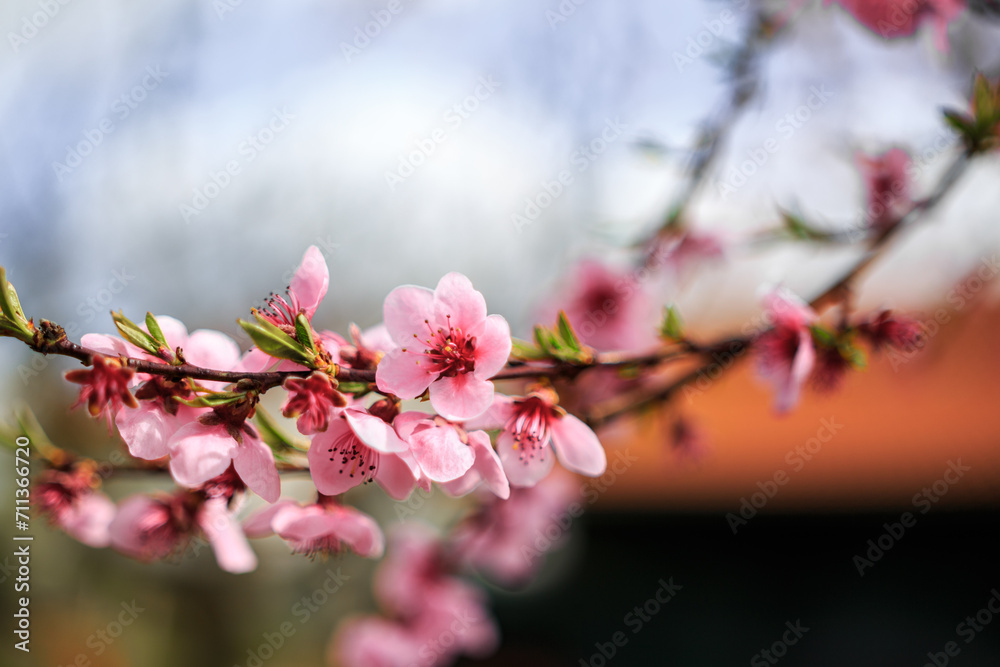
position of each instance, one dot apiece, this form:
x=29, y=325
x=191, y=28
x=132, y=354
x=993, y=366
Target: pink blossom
x=785, y=352
x=487, y=469
x=359, y=447
x=372, y=641
x=147, y=429
x=149, y=528
x=105, y=387
x=441, y=449
x=69, y=500
x=887, y=330
x=609, y=310
x=320, y=528
x=303, y=295
x=414, y=584
x=887, y=187
x=530, y=425
x=312, y=399
x=205, y=448
x=369, y=347
x=680, y=254
x=446, y=343
x=901, y=18
x=501, y=539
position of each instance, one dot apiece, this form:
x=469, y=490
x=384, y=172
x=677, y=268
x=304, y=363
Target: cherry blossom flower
x=609, y=310
x=446, y=343
x=305, y=292
x=530, y=425
x=359, y=447
x=413, y=583
x=148, y=528
x=105, y=387
x=368, y=347
x=887, y=187
x=887, y=330
x=785, y=352
x=68, y=499
x=372, y=641
x=312, y=399
x=205, y=448
x=501, y=540
x=441, y=448
x=320, y=528
x=147, y=429
x=901, y=18
x=679, y=254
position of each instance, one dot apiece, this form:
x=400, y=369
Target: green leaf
x=671, y=328
x=566, y=333
x=154, y=329
x=798, y=228
x=131, y=332
x=213, y=400
x=303, y=332
x=356, y=388
x=13, y=319
x=522, y=349
x=823, y=336
x=275, y=342
x=958, y=120
x=275, y=437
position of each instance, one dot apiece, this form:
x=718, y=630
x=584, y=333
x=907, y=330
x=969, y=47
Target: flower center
x=530, y=427
x=354, y=459
x=281, y=312
x=449, y=351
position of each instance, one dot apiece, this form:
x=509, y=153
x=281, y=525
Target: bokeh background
x=317, y=116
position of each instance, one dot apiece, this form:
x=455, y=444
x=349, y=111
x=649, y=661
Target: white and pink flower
x=319, y=529
x=447, y=344
x=786, y=354
x=535, y=431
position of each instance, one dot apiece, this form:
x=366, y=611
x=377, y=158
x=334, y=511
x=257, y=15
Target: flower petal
x=360, y=532
x=402, y=374
x=457, y=302
x=461, y=397
x=488, y=464
x=311, y=280
x=493, y=346
x=254, y=463
x=441, y=454
x=147, y=429
x=790, y=386
x=406, y=312
x=397, y=475
x=259, y=523
x=89, y=519
x=523, y=473
x=577, y=447
x=212, y=349
x=232, y=551
x=198, y=453
x=372, y=431
x=326, y=454
x=496, y=416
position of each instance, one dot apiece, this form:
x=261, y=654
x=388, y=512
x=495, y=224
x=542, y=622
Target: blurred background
x=179, y=157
